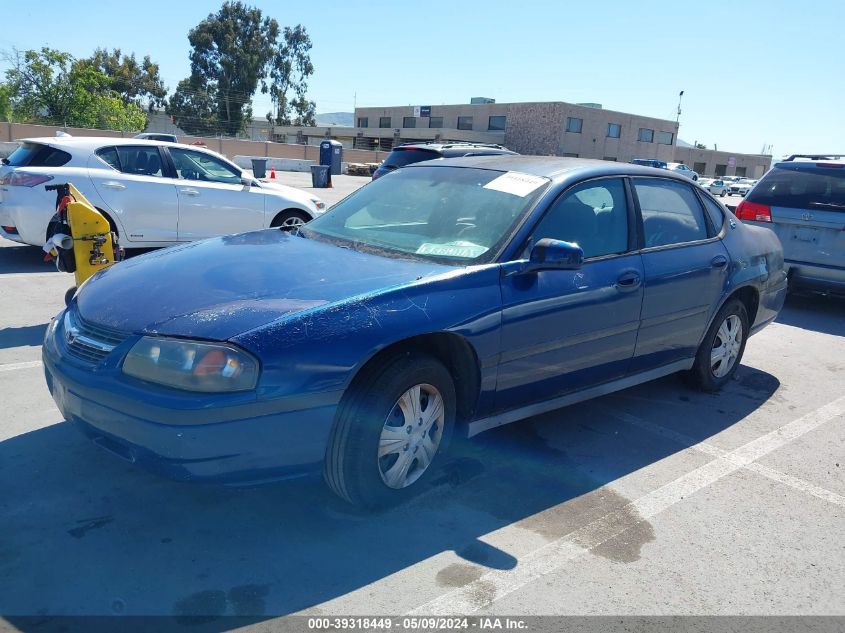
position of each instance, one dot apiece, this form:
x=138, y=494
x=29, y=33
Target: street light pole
x=678, y=116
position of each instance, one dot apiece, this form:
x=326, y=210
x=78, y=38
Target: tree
x=700, y=146
x=194, y=107
x=291, y=67
x=5, y=103
x=134, y=82
x=231, y=51
x=48, y=86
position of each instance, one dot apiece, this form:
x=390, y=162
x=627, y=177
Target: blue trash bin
x=259, y=167
x=320, y=176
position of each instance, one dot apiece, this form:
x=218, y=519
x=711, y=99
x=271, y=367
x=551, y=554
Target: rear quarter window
x=802, y=188
x=38, y=155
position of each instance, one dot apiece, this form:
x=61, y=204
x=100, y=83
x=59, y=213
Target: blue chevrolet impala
x=446, y=298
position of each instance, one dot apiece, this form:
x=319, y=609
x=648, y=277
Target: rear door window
x=671, y=212
x=821, y=188
x=109, y=155
x=143, y=160
x=717, y=218
x=38, y=155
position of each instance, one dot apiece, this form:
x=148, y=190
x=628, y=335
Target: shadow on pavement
x=30, y=335
x=24, y=259
x=84, y=533
x=821, y=313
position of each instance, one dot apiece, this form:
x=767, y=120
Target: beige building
x=556, y=128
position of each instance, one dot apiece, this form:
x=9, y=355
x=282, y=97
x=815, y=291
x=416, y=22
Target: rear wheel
x=391, y=431
x=289, y=220
x=723, y=194
x=721, y=350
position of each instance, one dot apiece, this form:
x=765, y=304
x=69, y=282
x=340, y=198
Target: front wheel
x=721, y=350
x=723, y=194
x=289, y=220
x=391, y=431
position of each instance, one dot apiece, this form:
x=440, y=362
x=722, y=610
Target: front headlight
x=192, y=366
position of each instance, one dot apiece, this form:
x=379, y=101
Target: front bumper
x=240, y=444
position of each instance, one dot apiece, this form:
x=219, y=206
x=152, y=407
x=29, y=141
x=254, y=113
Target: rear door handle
x=628, y=281
x=111, y=184
x=720, y=261
x=189, y=192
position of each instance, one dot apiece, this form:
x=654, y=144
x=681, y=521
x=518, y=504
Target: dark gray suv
x=408, y=153
x=802, y=199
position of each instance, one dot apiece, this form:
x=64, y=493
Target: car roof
x=93, y=142
x=553, y=167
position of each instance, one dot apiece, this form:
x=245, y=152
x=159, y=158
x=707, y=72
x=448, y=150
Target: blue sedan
x=446, y=298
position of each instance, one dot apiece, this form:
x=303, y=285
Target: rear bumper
x=818, y=277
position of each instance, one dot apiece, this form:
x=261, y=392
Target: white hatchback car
x=153, y=193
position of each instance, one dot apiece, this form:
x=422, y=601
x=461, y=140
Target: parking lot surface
x=654, y=500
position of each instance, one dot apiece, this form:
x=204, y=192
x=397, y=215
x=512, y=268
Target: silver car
x=802, y=199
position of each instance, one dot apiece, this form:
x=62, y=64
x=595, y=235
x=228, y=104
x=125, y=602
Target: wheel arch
x=283, y=212
x=453, y=350
x=750, y=298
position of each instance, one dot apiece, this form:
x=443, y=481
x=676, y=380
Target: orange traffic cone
x=272, y=173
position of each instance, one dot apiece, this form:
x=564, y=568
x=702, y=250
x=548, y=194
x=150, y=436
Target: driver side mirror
x=246, y=182
x=549, y=254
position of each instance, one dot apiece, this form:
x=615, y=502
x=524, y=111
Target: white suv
x=153, y=193
x=683, y=170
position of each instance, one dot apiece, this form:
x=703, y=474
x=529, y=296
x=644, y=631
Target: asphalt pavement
x=654, y=500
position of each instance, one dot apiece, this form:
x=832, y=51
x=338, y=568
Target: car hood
x=219, y=288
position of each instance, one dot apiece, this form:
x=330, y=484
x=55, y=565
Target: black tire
x=723, y=194
x=69, y=295
x=353, y=469
x=289, y=217
x=702, y=375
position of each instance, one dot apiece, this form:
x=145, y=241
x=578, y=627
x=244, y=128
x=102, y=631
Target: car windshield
x=447, y=214
x=400, y=158
x=802, y=188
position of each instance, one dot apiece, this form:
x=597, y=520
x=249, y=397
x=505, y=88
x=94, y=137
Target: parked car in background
x=409, y=153
x=717, y=187
x=453, y=296
x=152, y=193
x=157, y=136
x=650, y=162
x=802, y=199
x=683, y=170
x=741, y=186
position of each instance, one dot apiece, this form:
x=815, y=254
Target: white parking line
x=16, y=366
x=497, y=584
x=715, y=451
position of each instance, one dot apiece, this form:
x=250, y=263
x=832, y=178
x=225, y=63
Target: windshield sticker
x=516, y=183
x=467, y=250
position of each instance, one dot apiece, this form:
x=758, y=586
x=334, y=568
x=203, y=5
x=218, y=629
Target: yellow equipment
x=93, y=245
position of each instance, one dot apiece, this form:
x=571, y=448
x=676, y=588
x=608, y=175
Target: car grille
x=88, y=342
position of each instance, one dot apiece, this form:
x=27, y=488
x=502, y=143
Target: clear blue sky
x=753, y=72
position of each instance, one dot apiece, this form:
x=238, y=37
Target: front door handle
x=628, y=281
x=189, y=192
x=720, y=261
x=111, y=184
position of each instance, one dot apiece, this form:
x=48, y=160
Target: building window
x=464, y=122
x=573, y=124
x=613, y=158
x=740, y=171
x=721, y=170
x=363, y=121
x=435, y=121
x=409, y=121
x=614, y=130
x=496, y=123
x=646, y=135
x=569, y=155
x=699, y=168
x=384, y=121
x=665, y=138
